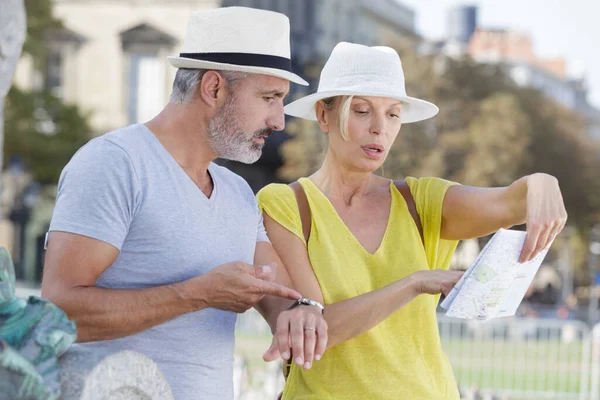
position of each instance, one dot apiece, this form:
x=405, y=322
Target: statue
x=13, y=27
x=33, y=334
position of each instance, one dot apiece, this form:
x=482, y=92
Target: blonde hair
x=343, y=111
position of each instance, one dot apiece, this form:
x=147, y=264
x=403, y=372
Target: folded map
x=496, y=283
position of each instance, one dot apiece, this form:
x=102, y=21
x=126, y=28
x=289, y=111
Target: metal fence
x=520, y=359
x=515, y=359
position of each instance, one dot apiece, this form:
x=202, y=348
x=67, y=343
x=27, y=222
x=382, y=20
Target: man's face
x=252, y=111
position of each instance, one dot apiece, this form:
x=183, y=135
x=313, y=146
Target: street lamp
x=594, y=252
x=565, y=263
x=15, y=171
x=24, y=200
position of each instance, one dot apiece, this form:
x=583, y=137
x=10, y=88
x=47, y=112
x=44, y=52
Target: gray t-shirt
x=125, y=189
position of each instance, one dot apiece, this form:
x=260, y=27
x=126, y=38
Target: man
x=152, y=246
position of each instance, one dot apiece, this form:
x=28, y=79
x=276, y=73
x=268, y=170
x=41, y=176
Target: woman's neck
x=338, y=182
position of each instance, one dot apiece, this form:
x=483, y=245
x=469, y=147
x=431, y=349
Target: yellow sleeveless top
x=401, y=358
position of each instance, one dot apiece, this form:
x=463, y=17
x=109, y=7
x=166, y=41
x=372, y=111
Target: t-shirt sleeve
x=261, y=232
x=429, y=196
x=98, y=193
x=278, y=201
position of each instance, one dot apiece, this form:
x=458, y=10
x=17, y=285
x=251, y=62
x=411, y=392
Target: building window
x=62, y=45
x=54, y=70
x=144, y=47
x=146, y=87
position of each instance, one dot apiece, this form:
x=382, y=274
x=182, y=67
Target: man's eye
x=269, y=99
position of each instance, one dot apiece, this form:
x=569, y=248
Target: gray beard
x=227, y=138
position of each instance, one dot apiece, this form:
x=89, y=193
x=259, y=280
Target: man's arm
x=270, y=307
x=74, y=263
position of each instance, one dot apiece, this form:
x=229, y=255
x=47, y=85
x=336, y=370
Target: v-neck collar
x=308, y=182
x=175, y=166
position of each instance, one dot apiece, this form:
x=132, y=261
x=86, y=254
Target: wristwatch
x=308, y=302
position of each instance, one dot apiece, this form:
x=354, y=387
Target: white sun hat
x=354, y=69
x=238, y=39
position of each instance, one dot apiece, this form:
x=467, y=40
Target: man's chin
x=249, y=158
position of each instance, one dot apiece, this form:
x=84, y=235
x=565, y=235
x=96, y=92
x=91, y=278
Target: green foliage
x=39, y=20
x=44, y=131
x=489, y=132
x=39, y=127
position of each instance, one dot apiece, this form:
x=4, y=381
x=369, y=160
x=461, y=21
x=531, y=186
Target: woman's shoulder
x=278, y=201
x=428, y=185
x=276, y=193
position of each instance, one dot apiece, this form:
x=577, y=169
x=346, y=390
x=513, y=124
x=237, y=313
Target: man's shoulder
x=128, y=138
x=118, y=142
x=113, y=153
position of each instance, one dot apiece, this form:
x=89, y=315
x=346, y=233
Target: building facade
x=548, y=75
x=110, y=58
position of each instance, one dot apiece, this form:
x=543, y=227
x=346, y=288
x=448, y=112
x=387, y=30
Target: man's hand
x=237, y=286
x=302, y=330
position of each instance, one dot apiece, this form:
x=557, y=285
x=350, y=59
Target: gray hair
x=187, y=80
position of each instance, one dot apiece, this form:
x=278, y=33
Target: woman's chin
x=368, y=166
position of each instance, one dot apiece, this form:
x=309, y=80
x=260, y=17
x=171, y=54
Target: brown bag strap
x=404, y=190
x=303, y=207
x=305, y=214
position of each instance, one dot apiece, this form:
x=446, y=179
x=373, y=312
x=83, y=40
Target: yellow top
x=401, y=358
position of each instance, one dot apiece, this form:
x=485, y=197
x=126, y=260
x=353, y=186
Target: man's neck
x=184, y=134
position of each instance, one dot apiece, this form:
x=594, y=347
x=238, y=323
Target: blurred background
x=518, y=85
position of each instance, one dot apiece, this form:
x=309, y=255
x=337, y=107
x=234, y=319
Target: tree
x=12, y=35
x=43, y=130
x=39, y=20
x=501, y=132
x=489, y=132
x=560, y=147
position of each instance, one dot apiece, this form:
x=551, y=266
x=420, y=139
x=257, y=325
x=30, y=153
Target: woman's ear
x=322, y=116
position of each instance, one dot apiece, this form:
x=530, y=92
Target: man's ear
x=213, y=89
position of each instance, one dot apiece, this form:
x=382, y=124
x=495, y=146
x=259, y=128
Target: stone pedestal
x=106, y=375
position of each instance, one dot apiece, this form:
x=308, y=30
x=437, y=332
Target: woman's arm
x=352, y=317
x=471, y=212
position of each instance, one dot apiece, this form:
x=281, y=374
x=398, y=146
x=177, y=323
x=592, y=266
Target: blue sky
x=559, y=28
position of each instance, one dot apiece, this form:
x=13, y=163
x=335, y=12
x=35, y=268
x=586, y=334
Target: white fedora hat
x=238, y=39
x=354, y=69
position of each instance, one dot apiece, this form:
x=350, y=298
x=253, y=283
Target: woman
x=364, y=258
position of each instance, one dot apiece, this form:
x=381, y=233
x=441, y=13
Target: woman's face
x=373, y=125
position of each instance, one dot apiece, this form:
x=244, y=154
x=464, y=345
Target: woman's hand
x=434, y=281
x=546, y=214
x=302, y=333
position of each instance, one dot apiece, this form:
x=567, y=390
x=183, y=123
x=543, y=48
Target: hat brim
x=413, y=109
x=182, y=62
